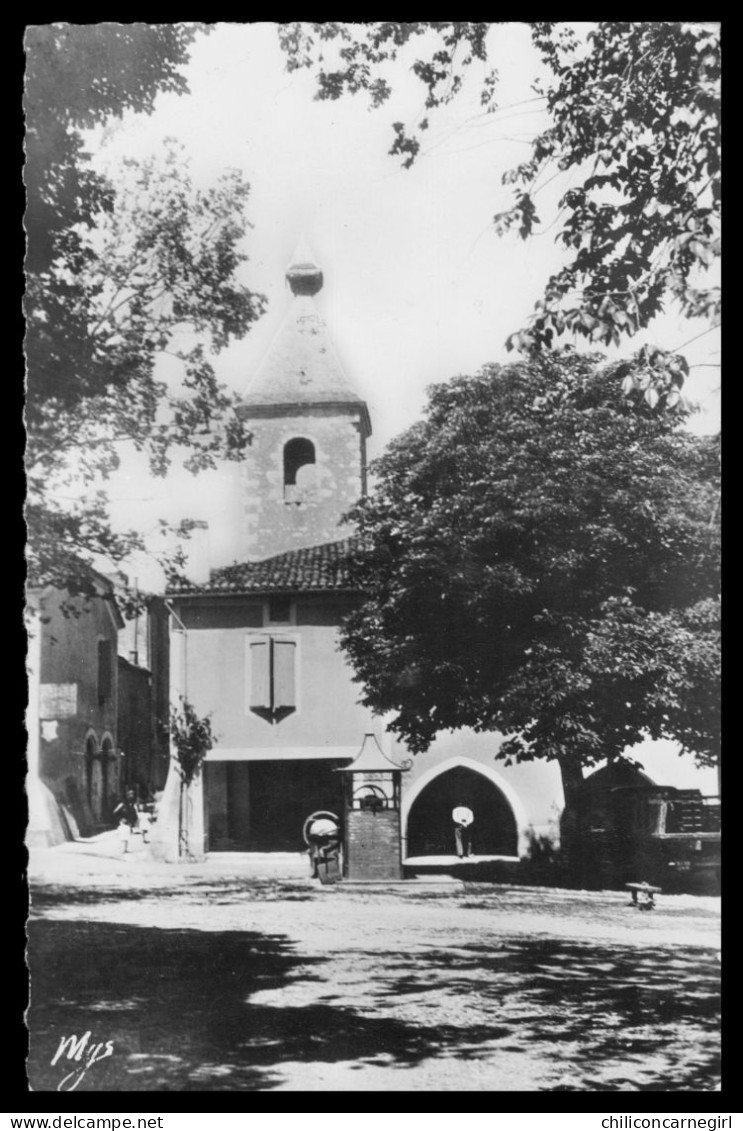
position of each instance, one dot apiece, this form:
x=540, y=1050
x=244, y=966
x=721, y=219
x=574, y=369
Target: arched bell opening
x=299, y=470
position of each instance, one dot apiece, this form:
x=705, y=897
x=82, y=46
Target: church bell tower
x=306, y=465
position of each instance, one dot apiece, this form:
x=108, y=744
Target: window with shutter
x=271, y=675
x=284, y=651
x=260, y=673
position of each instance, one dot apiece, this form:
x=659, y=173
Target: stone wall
x=72, y=715
x=275, y=519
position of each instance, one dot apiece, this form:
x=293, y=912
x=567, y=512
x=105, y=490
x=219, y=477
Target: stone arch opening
x=430, y=829
x=299, y=469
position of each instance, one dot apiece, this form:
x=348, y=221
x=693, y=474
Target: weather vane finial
x=303, y=274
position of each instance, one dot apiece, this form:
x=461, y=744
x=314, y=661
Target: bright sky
x=418, y=287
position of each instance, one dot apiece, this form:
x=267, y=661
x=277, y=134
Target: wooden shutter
x=104, y=669
x=284, y=654
x=259, y=691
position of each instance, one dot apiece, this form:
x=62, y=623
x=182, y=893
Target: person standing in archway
x=462, y=818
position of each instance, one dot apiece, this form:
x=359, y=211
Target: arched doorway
x=110, y=776
x=430, y=827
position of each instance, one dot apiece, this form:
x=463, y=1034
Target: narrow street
x=205, y=979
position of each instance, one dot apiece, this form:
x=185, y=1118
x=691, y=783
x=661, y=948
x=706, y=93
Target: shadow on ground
x=607, y=1018
x=173, y=1002
x=177, y=1006
x=47, y=896
x=185, y=1023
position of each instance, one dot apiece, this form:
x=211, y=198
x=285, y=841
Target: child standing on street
x=128, y=817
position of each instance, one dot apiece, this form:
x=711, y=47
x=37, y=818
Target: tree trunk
x=182, y=822
x=572, y=778
x=190, y=823
x=571, y=832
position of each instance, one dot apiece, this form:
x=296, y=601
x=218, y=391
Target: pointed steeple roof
x=301, y=367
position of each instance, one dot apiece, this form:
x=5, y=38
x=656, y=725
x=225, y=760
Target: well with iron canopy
x=371, y=807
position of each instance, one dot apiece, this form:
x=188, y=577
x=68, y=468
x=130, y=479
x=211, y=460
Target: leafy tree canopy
x=633, y=128
x=192, y=738
x=77, y=76
x=540, y=557
x=118, y=276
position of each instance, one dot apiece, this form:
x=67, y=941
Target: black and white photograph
x=372, y=602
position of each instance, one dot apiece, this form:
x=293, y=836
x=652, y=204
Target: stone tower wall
x=274, y=519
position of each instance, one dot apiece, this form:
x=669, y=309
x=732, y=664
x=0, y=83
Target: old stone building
x=255, y=644
x=97, y=719
x=74, y=765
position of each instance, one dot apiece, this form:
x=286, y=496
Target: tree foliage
x=77, y=76
x=192, y=738
x=540, y=557
x=118, y=276
x=634, y=130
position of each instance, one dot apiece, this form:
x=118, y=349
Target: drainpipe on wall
x=183, y=648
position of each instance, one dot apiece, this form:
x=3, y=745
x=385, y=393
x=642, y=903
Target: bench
x=646, y=890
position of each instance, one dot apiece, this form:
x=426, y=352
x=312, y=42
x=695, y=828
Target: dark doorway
x=430, y=825
x=262, y=806
x=283, y=794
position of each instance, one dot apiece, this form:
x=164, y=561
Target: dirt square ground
x=205, y=978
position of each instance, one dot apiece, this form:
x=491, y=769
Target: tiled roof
x=313, y=569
